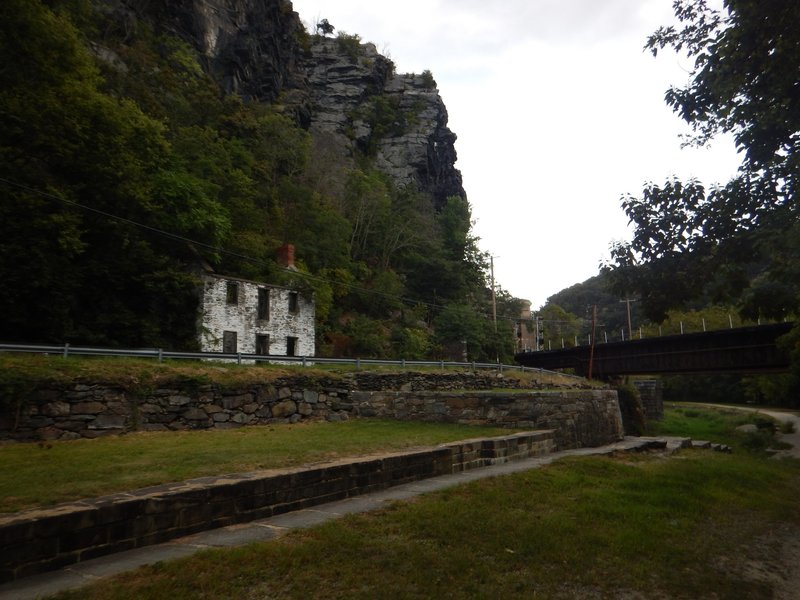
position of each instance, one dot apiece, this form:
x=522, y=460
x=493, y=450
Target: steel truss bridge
x=744, y=350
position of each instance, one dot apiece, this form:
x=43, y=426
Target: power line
x=220, y=250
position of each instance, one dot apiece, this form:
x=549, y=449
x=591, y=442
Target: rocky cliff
x=343, y=91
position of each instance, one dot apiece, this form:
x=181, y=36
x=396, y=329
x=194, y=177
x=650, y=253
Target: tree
x=739, y=241
x=325, y=28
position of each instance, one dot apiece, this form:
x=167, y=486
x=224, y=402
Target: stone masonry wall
x=583, y=418
x=651, y=393
x=580, y=417
x=44, y=539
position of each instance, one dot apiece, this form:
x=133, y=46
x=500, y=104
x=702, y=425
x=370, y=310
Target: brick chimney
x=286, y=256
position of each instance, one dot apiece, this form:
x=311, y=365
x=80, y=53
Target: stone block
x=88, y=408
x=195, y=414
x=108, y=422
x=56, y=409
x=284, y=409
x=178, y=400
x=310, y=396
x=233, y=402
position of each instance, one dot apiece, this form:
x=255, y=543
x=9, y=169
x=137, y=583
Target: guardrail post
x=160, y=355
x=403, y=363
x=441, y=363
x=239, y=358
x=358, y=364
x=66, y=350
x=304, y=361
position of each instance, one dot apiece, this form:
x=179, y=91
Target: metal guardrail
x=240, y=358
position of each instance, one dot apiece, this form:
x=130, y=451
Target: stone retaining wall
x=580, y=417
x=584, y=418
x=40, y=540
x=651, y=393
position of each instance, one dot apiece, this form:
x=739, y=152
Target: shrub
x=350, y=44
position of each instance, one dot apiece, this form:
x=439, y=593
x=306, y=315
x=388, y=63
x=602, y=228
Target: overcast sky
x=558, y=113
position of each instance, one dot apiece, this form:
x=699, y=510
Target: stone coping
x=44, y=539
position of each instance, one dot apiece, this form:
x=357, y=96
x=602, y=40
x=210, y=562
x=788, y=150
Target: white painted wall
x=218, y=316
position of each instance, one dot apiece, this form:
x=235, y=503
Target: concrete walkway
x=83, y=573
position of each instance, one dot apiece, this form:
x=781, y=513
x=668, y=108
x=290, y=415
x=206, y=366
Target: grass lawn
x=700, y=524
x=717, y=425
x=580, y=528
x=47, y=473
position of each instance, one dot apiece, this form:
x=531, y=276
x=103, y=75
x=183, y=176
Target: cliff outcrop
x=398, y=119
x=343, y=91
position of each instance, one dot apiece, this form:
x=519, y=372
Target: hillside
x=143, y=143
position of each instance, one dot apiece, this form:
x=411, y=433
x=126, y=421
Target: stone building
x=248, y=317
x=525, y=329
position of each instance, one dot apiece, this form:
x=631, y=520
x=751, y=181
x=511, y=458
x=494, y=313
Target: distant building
x=525, y=329
x=248, y=317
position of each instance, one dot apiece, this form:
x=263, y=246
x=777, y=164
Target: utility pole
x=494, y=298
x=494, y=312
x=591, y=341
x=630, y=328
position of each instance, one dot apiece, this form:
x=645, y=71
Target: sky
x=558, y=110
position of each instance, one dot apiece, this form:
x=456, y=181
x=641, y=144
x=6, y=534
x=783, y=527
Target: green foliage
x=560, y=326
x=112, y=134
x=350, y=44
x=737, y=242
x=427, y=80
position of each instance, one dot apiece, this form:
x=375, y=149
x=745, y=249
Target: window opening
x=262, y=344
x=232, y=292
x=263, y=304
x=293, y=302
x=291, y=346
x=229, y=343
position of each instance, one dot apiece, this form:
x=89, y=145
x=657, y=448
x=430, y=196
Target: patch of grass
x=588, y=527
x=133, y=373
x=717, y=425
x=45, y=474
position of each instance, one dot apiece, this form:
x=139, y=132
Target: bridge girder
x=745, y=349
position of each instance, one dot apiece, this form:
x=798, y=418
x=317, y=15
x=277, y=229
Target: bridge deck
x=745, y=349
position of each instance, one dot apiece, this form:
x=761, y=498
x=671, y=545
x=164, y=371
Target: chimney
x=286, y=257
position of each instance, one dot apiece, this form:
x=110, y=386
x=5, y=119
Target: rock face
x=252, y=47
x=343, y=91
x=401, y=120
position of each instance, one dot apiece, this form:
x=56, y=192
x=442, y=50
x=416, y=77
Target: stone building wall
x=288, y=314
x=652, y=397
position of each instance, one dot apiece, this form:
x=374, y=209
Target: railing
x=241, y=358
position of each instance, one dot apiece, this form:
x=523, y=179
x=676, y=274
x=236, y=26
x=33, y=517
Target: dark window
x=229, y=344
x=263, y=304
x=262, y=344
x=232, y=293
x=292, y=302
x=291, y=346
